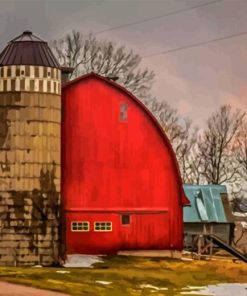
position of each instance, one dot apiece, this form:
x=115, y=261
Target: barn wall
x=29, y=177
x=114, y=157
x=142, y=232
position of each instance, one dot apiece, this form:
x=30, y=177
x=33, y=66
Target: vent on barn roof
x=28, y=49
x=113, y=78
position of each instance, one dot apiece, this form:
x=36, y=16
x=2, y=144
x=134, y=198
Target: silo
x=30, y=117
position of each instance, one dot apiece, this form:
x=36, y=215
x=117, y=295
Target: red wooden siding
x=122, y=237
x=116, y=160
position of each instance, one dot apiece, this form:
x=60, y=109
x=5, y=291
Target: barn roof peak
x=96, y=75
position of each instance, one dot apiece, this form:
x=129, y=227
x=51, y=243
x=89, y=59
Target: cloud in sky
x=196, y=80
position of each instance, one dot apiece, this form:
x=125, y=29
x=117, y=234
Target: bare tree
x=168, y=118
x=194, y=163
x=179, y=131
x=239, y=200
x=216, y=146
x=240, y=149
x=240, y=237
x=85, y=54
x=239, y=192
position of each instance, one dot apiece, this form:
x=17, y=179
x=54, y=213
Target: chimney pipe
x=66, y=71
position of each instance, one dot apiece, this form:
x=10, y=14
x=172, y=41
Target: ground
x=121, y=275
x=7, y=289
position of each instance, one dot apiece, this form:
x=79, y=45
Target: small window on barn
x=125, y=219
x=103, y=226
x=79, y=226
x=123, y=115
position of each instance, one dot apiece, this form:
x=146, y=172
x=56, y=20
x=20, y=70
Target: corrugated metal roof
x=206, y=204
x=28, y=49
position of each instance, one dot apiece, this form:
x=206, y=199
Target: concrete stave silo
x=30, y=118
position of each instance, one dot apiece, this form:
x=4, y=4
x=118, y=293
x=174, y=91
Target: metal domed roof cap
x=28, y=49
x=27, y=36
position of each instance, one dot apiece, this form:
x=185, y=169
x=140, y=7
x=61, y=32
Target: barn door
x=126, y=222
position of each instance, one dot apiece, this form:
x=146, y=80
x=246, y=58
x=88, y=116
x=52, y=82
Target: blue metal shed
x=209, y=212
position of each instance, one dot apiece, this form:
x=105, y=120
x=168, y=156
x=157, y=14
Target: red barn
x=121, y=186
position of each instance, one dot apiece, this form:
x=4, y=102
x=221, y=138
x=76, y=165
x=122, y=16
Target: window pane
x=102, y=226
x=79, y=226
x=125, y=219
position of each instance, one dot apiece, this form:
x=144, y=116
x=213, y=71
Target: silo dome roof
x=28, y=49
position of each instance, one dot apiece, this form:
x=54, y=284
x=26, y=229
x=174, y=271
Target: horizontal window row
x=84, y=226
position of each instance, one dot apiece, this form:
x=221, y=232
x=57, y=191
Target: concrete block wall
x=29, y=178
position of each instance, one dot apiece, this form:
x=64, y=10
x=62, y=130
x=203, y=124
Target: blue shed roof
x=206, y=204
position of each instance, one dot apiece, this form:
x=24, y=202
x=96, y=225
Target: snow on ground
x=103, y=282
x=238, y=214
x=187, y=259
x=147, y=286
x=244, y=224
x=218, y=290
x=193, y=288
x=77, y=260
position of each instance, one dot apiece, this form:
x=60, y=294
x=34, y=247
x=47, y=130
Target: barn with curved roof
x=121, y=186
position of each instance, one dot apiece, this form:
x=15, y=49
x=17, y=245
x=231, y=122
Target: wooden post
x=211, y=240
x=199, y=246
x=204, y=242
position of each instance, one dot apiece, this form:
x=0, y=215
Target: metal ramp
x=217, y=241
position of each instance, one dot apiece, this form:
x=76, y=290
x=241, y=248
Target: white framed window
x=103, y=226
x=82, y=226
